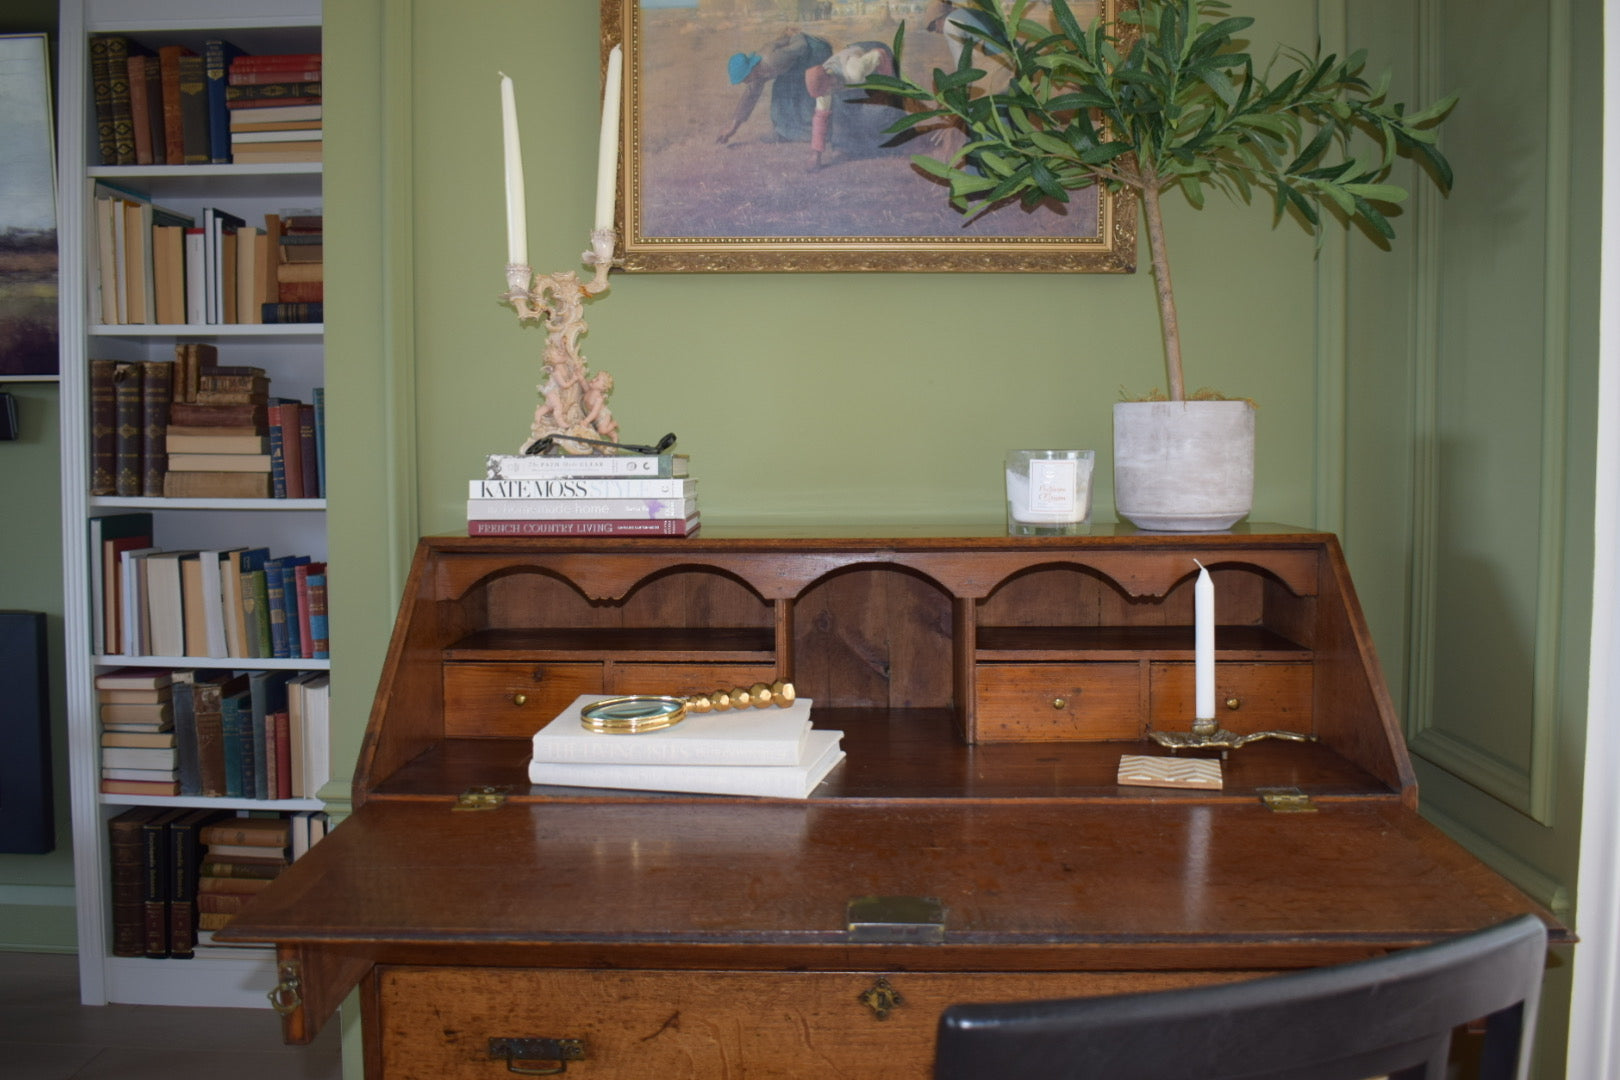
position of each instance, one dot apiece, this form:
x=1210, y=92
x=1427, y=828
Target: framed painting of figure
x=747, y=147
x=28, y=264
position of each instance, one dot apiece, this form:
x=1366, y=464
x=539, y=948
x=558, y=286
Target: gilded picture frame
x=723, y=168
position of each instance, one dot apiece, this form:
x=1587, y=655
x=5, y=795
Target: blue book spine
x=275, y=596
x=289, y=601
x=235, y=711
x=278, y=461
x=320, y=648
x=320, y=440
x=217, y=57
x=259, y=695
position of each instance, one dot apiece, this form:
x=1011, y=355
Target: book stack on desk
x=583, y=495
x=765, y=752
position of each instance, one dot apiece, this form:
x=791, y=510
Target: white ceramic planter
x=1183, y=466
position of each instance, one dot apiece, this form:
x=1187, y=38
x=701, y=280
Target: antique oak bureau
x=987, y=687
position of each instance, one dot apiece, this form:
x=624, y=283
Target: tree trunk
x=1169, y=327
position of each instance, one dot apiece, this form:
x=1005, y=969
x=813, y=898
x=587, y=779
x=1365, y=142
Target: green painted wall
x=1473, y=369
x=36, y=891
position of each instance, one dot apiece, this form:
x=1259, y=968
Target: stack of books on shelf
x=772, y=752
x=167, y=104
x=222, y=603
x=180, y=873
x=299, y=274
x=274, y=103
x=243, y=735
x=241, y=856
x=584, y=495
x=139, y=754
x=191, y=428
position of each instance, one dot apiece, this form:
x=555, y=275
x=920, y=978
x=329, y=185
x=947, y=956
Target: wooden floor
x=45, y=1034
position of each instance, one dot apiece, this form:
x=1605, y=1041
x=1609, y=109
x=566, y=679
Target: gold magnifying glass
x=636, y=714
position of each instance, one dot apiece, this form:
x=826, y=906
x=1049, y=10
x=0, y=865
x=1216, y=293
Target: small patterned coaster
x=1140, y=770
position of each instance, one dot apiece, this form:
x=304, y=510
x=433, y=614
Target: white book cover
x=821, y=753
x=740, y=737
x=584, y=487
x=213, y=602
x=137, y=757
x=533, y=466
x=572, y=509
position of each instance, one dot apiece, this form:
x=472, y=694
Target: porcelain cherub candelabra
x=572, y=403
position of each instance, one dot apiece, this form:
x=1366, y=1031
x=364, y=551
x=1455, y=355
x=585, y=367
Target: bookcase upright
x=292, y=354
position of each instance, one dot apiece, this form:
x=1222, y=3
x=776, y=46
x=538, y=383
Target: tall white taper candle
x=517, y=225
x=1204, y=644
x=607, y=151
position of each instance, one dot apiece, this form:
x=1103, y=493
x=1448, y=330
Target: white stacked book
x=584, y=495
x=765, y=752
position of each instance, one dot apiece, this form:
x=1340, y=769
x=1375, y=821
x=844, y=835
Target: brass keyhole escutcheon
x=520, y=699
x=882, y=999
x=1234, y=703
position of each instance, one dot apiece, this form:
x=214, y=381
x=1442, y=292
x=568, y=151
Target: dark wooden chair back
x=1392, y=1015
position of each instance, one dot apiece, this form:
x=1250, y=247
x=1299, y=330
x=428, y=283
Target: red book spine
x=584, y=527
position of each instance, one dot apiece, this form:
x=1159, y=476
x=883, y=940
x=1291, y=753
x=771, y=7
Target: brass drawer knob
x=1058, y=702
x=520, y=699
x=1234, y=703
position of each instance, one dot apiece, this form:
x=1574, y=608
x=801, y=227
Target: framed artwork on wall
x=745, y=148
x=28, y=262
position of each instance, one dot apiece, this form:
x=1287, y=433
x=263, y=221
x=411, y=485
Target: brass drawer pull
x=1234, y=703
x=287, y=996
x=882, y=999
x=1058, y=703
x=520, y=699
x=561, y=1051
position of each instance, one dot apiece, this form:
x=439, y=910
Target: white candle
x=1204, y=644
x=607, y=151
x=517, y=226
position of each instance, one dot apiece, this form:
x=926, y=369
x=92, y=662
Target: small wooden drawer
x=683, y=680
x=1248, y=697
x=1058, y=702
x=697, y=1025
x=512, y=700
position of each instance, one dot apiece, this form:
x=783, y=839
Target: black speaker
x=27, y=823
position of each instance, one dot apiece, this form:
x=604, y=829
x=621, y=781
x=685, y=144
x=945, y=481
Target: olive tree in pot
x=1166, y=98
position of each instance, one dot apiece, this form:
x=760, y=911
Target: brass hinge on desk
x=1286, y=800
x=483, y=797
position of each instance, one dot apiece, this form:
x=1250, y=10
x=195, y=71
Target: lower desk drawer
x=1058, y=702
x=437, y=1023
x=512, y=700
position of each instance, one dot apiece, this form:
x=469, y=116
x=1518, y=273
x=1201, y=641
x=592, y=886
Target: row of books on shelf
x=584, y=495
x=171, y=105
x=219, y=603
x=178, y=875
x=189, y=428
x=216, y=734
x=157, y=266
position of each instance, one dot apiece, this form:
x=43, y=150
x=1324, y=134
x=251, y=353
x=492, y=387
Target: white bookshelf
x=293, y=355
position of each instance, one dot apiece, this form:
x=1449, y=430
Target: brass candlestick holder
x=1207, y=734
x=572, y=403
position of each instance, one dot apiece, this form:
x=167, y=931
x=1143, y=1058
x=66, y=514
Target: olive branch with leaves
x=1167, y=99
